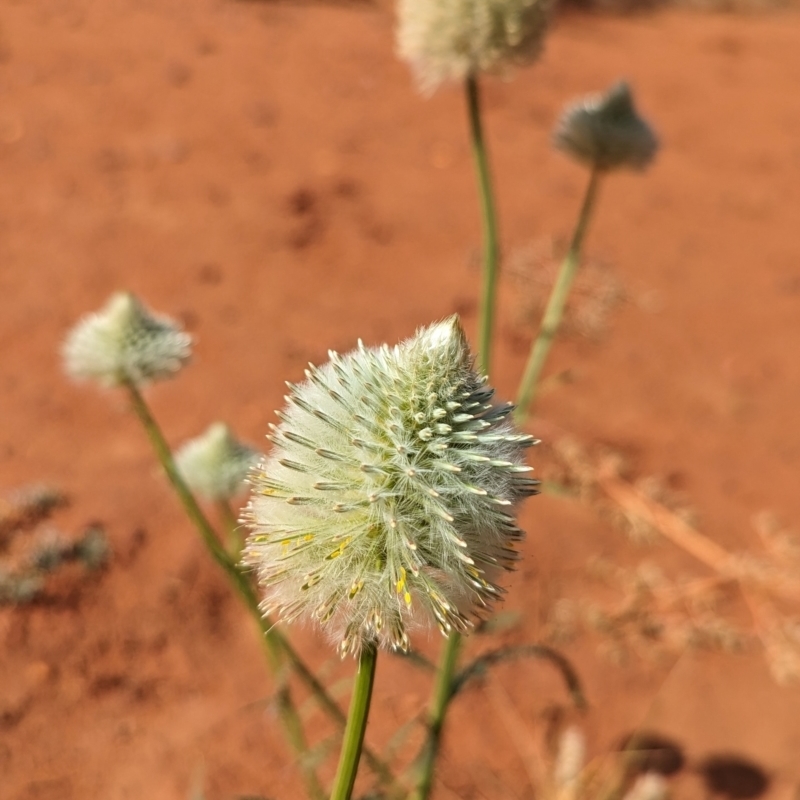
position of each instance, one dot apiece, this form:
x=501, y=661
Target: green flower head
x=125, y=341
x=215, y=464
x=605, y=132
x=388, y=499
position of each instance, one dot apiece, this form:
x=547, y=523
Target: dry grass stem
x=658, y=612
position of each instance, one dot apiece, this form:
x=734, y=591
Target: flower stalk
x=491, y=248
x=353, y=741
x=554, y=311
x=273, y=644
x=232, y=528
x=443, y=693
x=443, y=690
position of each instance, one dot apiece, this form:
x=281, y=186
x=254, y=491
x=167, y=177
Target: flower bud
x=215, y=464
x=451, y=39
x=125, y=342
x=605, y=132
x=388, y=497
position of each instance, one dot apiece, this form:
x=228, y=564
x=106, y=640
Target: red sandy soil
x=268, y=174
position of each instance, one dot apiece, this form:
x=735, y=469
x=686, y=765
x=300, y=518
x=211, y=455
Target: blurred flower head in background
x=450, y=39
x=388, y=498
x=125, y=341
x=605, y=132
x=215, y=464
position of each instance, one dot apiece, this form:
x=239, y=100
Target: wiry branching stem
x=556, y=303
x=481, y=664
x=275, y=643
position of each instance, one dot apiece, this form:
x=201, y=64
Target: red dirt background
x=268, y=174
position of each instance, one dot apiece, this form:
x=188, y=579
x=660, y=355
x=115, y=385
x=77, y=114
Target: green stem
x=286, y=709
x=443, y=692
x=356, y=725
x=231, y=525
x=275, y=643
x=554, y=312
x=491, y=250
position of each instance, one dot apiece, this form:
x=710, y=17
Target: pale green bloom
x=215, y=464
x=388, y=498
x=125, y=341
x=451, y=39
x=605, y=132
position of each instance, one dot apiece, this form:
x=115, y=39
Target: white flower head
x=649, y=786
x=388, y=498
x=570, y=758
x=450, y=39
x=125, y=342
x=215, y=465
x=605, y=132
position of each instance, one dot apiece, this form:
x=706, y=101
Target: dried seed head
x=215, y=464
x=389, y=494
x=605, y=131
x=125, y=342
x=451, y=39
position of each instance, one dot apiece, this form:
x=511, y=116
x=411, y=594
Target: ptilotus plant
x=126, y=345
x=604, y=133
x=446, y=40
x=388, y=499
x=125, y=342
x=387, y=503
x=457, y=40
x=215, y=464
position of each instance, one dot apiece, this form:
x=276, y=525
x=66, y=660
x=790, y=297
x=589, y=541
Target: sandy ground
x=268, y=174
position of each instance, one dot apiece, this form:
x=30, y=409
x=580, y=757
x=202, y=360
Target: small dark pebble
x=733, y=776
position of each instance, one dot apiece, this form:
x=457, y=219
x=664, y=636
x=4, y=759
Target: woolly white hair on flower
x=389, y=493
x=451, y=39
x=125, y=342
x=215, y=464
x=605, y=132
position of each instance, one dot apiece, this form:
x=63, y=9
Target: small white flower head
x=447, y=40
x=215, y=465
x=570, y=758
x=649, y=786
x=605, y=132
x=125, y=342
x=388, y=498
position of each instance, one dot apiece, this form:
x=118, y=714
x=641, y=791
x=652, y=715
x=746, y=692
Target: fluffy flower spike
x=389, y=495
x=125, y=341
x=605, y=131
x=451, y=39
x=215, y=464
